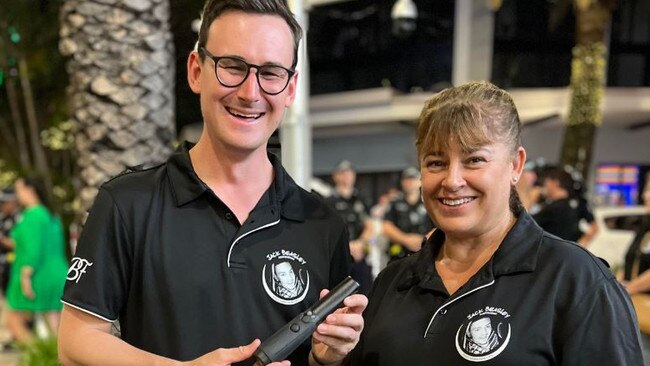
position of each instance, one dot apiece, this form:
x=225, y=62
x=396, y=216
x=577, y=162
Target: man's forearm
x=83, y=340
x=99, y=348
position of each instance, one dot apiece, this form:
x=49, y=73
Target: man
x=562, y=214
x=345, y=199
x=407, y=222
x=181, y=254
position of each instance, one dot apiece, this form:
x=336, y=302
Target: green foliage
x=40, y=352
x=59, y=137
x=29, y=30
x=7, y=175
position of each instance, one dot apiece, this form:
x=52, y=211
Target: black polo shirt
x=353, y=211
x=164, y=256
x=538, y=301
x=561, y=218
x=409, y=218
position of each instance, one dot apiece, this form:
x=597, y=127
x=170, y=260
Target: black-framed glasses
x=231, y=72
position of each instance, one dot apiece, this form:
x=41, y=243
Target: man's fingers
x=241, y=353
x=356, y=303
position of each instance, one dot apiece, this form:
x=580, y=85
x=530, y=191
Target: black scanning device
x=280, y=345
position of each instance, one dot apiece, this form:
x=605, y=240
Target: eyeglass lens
x=232, y=72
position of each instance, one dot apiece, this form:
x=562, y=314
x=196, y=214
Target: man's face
x=241, y=119
x=481, y=330
x=410, y=185
x=285, y=274
x=550, y=187
x=344, y=178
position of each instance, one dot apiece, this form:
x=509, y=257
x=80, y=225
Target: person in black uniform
x=406, y=223
x=189, y=255
x=562, y=214
x=352, y=208
x=489, y=286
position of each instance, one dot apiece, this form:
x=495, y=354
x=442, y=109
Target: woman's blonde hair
x=470, y=115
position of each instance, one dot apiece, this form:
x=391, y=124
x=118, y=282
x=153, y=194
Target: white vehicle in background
x=614, y=233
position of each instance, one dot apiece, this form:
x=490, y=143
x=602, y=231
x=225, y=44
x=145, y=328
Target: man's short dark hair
x=214, y=8
x=562, y=176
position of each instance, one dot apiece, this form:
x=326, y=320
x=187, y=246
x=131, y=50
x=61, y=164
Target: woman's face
x=467, y=193
x=23, y=192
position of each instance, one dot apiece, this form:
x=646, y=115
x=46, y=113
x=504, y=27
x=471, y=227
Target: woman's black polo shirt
x=538, y=301
x=161, y=253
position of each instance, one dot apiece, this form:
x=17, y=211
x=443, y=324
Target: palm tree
x=588, y=70
x=121, y=69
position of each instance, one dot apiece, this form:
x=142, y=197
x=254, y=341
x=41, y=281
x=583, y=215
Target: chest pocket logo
x=484, y=335
x=285, y=277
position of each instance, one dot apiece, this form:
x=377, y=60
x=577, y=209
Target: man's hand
x=228, y=356
x=357, y=250
x=340, y=332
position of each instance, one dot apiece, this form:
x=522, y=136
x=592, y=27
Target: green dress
x=39, y=243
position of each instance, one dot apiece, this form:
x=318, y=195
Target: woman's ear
x=518, y=162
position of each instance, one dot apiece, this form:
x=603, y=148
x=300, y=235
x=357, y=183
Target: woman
x=548, y=301
x=38, y=273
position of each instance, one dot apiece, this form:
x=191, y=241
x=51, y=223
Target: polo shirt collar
x=517, y=253
x=286, y=193
x=187, y=186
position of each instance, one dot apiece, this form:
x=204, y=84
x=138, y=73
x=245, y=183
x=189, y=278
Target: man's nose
x=250, y=89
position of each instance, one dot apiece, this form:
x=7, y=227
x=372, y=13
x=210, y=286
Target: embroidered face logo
x=484, y=335
x=285, y=277
x=77, y=268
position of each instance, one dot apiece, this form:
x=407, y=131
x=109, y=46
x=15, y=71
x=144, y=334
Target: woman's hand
x=26, y=287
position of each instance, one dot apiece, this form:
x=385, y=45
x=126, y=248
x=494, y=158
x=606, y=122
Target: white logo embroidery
x=285, y=278
x=484, y=335
x=77, y=268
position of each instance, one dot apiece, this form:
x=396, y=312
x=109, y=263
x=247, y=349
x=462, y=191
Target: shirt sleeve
x=601, y=329
x=99, y=273
x=31, y=240
x=341, y=260
x=391, y=214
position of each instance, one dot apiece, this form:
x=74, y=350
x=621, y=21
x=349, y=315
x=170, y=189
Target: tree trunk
x=587, y=83
x=14, y=108
x=32, y=123
x=17, y=120
x=121, y=67
x=7, y=137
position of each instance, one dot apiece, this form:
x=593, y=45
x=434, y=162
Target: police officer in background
x=352, y=208
x=406, y=223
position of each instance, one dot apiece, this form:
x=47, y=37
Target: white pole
x=295, y=131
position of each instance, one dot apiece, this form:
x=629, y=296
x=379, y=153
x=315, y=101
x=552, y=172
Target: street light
x=404, y=15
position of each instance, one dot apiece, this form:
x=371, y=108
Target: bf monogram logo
x=77, y=268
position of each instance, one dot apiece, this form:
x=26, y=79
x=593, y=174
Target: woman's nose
x=453, y=180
